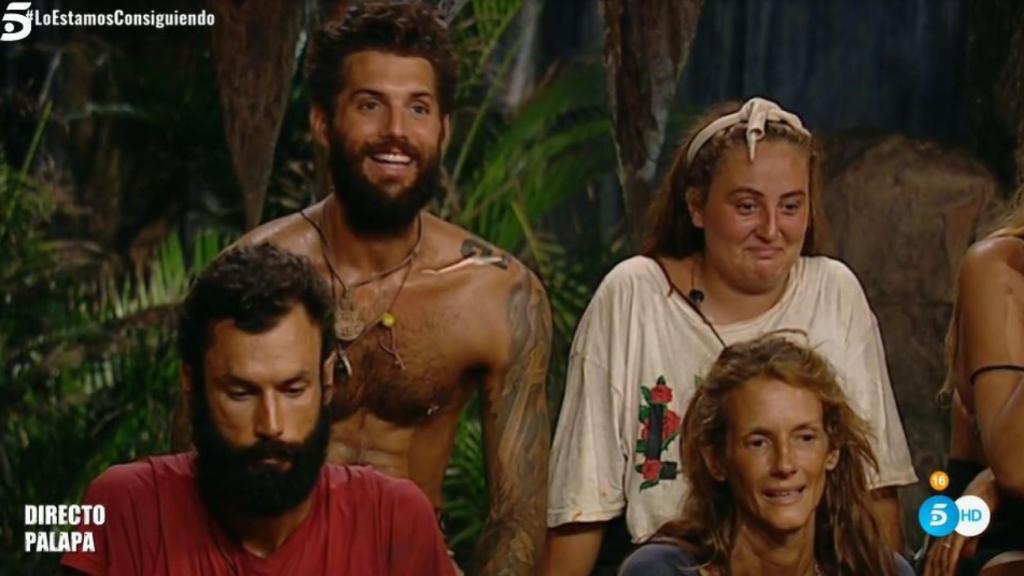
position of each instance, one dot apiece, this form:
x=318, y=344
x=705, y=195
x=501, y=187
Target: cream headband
x=754, y=114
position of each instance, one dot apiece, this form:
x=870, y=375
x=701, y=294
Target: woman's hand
x=945, y=553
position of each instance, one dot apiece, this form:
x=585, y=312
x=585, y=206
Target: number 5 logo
x=938, y=516
x=16, y=26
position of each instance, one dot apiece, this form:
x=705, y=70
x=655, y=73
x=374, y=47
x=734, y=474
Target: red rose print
x=671, y=424
x=661, y=394
x=652, y=449
x=651, y=470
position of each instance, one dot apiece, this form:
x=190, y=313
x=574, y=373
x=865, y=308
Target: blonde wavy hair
x=1011, y=225
x=847, y=536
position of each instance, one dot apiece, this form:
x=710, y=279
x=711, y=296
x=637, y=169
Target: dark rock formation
x=903, y=212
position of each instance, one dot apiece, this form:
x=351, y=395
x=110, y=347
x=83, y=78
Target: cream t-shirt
x=632, y=366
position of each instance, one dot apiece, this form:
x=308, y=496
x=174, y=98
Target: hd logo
x=939, y=516
x=17, y=24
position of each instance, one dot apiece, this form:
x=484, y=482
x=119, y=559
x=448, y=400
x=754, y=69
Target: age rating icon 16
x=939, y=480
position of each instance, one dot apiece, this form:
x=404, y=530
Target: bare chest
x=422, y=360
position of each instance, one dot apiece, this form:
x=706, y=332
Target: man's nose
x=394, y=124
x=268, y=418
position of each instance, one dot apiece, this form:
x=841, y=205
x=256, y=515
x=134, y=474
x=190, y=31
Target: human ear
x=327, y=377
x=318, y=125
x=832, y=459
x=712, y=462
x=695, y=205
x=446, y=133
x=185, y=379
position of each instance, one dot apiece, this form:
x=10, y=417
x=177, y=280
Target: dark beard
x=369, y=210
x=233, y=479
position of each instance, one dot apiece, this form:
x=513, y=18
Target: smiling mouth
x=784, y=496
x=392, y=159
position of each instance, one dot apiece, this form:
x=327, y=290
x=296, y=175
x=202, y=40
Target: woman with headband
x=731, y=255
x=777, y=461
x=985, y=357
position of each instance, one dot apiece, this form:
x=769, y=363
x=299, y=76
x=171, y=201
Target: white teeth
x=392, y=158
x=782, y=493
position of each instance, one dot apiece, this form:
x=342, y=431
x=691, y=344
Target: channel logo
x=17, y=24
x=940, y=516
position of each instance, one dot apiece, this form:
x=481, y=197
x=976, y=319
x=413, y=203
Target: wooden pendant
x=347, y=324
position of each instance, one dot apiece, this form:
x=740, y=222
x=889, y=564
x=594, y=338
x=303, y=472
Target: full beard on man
x=370, y=210
x=240, y=480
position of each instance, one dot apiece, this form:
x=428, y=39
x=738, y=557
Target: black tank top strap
x=994, y=367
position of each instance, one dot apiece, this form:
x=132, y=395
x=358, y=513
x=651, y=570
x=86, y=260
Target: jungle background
x=130, y=157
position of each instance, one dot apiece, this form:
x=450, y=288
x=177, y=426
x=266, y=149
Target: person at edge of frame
x=985, y=365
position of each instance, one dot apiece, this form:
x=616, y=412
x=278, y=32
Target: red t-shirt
x=360, y=522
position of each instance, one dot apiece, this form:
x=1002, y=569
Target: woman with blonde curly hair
x=778, y=461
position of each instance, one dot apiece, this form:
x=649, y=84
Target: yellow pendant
x=388, y=320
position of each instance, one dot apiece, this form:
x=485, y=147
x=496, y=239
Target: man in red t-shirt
x=256, y=497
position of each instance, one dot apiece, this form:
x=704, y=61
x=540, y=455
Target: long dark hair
x=846, y=536
x=671, y=231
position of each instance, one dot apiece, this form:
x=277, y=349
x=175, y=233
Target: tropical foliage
x=511, y=167
x=89, y=369
x=89, y=366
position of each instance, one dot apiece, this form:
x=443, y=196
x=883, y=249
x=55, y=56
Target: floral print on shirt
x=659, y=426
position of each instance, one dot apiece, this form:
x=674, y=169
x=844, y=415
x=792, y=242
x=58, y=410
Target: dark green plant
x=89, y=371
x=89, y=374
x=510, y=168
x=465, y=486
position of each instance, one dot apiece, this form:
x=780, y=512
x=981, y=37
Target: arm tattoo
x=517, y=436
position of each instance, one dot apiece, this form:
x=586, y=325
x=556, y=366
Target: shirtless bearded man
x=427, y=313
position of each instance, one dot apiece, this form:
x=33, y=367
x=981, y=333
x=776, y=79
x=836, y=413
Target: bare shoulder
x=293, y=232
x=510, y=310
x=455, y=249
x=991, y=301
x=996, y=258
